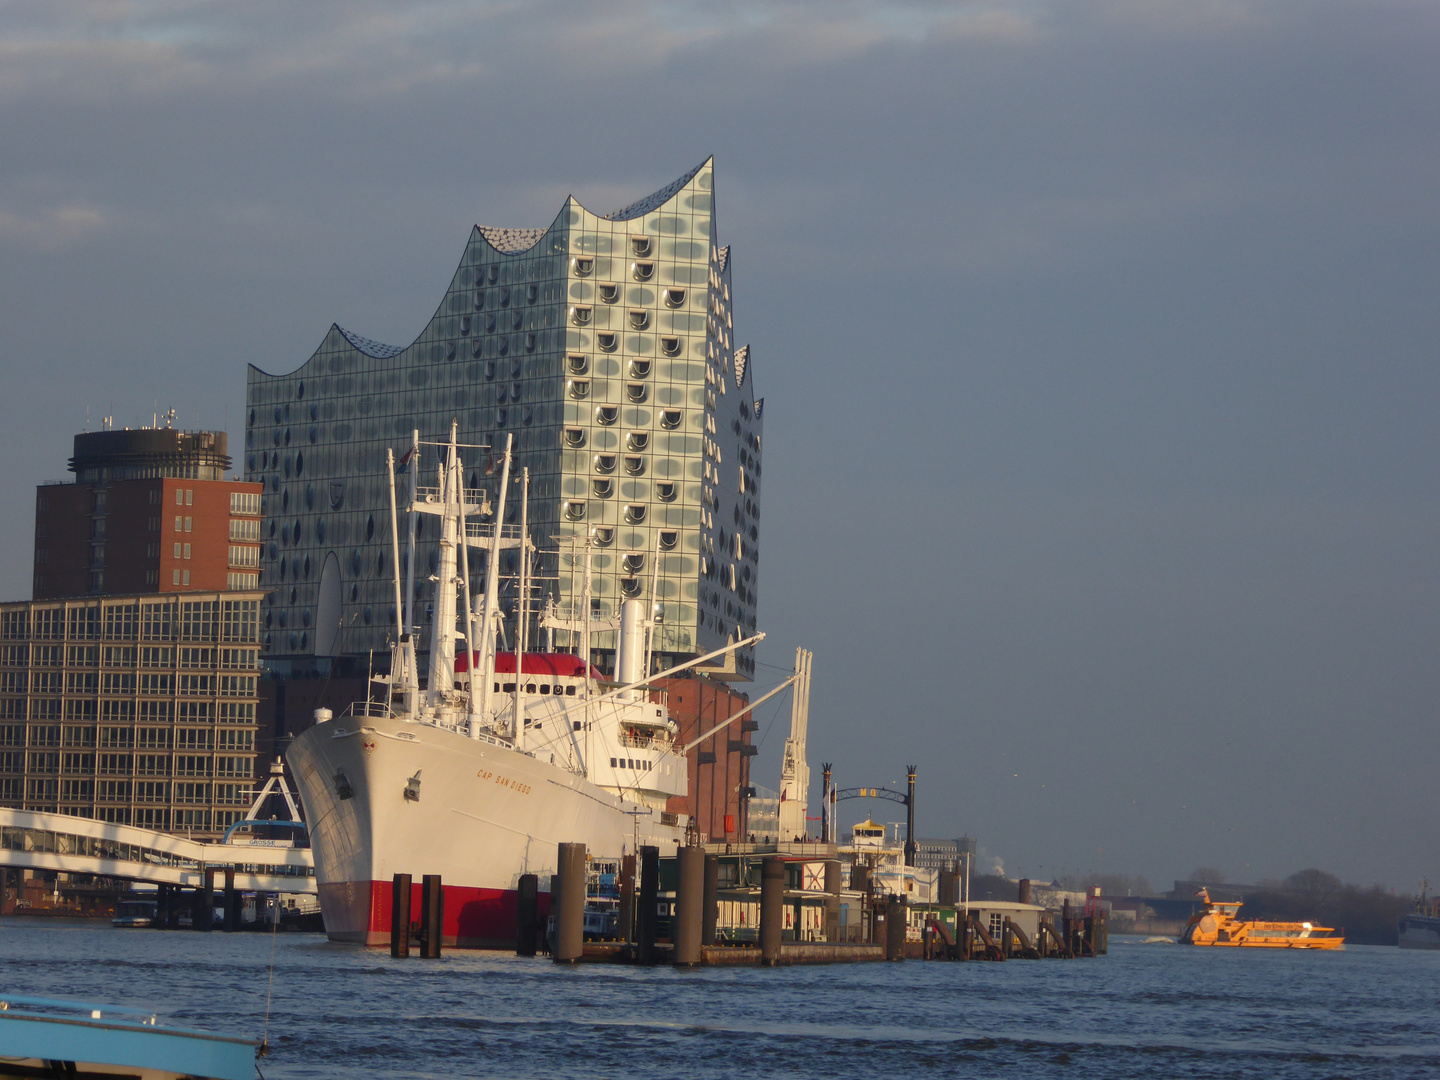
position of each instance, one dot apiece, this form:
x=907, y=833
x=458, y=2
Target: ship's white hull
x=485, y=815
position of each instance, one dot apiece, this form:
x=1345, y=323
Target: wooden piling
x=432, y=916
x=649, y=915
x=204, y=919
x=232, y=902
x=627, y=898
x=689, y=906
x=772, y=910
x=832, y=900
x=400, y=916
x=711, y=914
x=527, y=914
x=895, y=921
x=568, y=907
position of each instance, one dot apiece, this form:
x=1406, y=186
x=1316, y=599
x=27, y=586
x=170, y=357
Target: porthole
x=635, y=513
x=604, y=536
x=634, y=465
x=609, y=292
x=642, y=271
x=669, y=539
x=604, y=463
x=607, y=414
x=639, y=320
x=579, y=388
x=574, y=437
x=674, y=297
x=670, y=346
x=606, y=341
x=639, y=369
x=638, y=440
x=464, y=325
x=636, y=392
x=583, y=267
x=670, y=419
x=640, y=246
x=665, y=491
x=577, y=365
x=602, y=487
x=580, y=315
x=574, y=511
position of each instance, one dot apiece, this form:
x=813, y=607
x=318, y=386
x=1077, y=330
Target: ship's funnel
x=630, y=657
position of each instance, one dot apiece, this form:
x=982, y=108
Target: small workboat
x=44, y=1037
x=1217, y=925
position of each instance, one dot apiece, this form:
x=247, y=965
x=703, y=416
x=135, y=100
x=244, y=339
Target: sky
x=1098, y=342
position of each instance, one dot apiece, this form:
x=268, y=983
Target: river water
x=1145, y=1010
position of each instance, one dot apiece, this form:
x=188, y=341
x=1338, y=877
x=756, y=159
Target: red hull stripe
x=474, y=918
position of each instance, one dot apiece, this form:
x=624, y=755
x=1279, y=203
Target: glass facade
x=604, y=345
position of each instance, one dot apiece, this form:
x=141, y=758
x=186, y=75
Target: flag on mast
x=404, y=462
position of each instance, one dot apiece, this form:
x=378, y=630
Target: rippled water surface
x=1146, y=1010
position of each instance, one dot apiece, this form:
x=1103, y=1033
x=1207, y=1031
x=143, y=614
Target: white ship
x=480, y=779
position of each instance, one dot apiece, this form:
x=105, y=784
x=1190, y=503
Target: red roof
x=536, y=663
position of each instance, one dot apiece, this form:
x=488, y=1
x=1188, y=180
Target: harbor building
x=603, y=346
x=137, y=709
x=149, y=511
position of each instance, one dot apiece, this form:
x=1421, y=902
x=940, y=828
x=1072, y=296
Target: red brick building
x=149, y=512
x=719, y=766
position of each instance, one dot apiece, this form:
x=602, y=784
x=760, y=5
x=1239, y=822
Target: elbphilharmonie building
x=604, y=345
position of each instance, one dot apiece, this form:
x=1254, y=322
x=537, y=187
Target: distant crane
x=794, y=772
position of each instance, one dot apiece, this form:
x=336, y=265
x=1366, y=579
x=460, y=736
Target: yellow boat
x=1217, y=925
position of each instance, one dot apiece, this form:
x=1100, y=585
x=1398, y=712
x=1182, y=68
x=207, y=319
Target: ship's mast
x=440, y=687
x=402, y=664
x=518, y=723
x=486, y=635
x=414, y=459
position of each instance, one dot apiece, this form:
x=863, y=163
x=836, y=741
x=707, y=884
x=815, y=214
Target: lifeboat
x=1217, y=925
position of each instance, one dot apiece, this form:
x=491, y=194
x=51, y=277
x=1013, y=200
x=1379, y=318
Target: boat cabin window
x=508, y=688
x=544, y=687
x=569, y=691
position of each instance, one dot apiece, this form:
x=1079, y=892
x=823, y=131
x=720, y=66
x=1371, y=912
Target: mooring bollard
x=772, y=910
x=649, y=897
x=527, y=914
x=400, y=916
x=569, y=907
x=711, y=915
x=432, y=916
x=895, y=920
x=832, y=900
x=689, y=906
